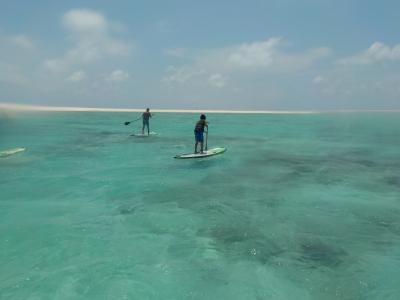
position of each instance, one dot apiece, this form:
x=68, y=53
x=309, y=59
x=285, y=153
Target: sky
x=253, y=54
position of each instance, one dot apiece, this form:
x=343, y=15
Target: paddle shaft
x=137, y=119
x=127, y=123
x=207, y=139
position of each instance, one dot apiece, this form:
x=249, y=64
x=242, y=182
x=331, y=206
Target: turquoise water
x=299, y=207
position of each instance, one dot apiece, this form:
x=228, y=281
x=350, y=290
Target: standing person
x=146, y=117
x=198, y=133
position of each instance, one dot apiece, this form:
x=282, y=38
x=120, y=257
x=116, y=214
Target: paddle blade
x=127, y=123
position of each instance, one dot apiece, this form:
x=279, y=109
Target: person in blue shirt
x=199, y=133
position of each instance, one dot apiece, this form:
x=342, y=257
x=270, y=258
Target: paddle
x=129, y=122
x=207, y=138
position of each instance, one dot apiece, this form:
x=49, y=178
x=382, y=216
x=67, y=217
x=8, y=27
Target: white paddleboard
x=209, y=152
x=152, y=133
x=11, y=152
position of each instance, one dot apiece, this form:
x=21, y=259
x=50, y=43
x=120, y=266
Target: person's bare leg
x=195, y=147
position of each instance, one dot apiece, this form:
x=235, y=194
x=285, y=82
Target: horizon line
x=47, y=108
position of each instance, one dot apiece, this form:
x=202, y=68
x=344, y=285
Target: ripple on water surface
x=299, y=207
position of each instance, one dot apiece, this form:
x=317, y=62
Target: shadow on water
x=309, y=162
x=325, y=169
x=316, y=254
x=244, y=140
x=128, y=209
x=384, y=222
x=393, y=181
x=270, y=201
x=274, y=158
x=195, y=164
x=108, y=133
x=144, y=140
x=241, y=242
x=86, y=143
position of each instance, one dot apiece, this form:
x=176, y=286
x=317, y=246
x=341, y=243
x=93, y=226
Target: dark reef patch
x=317, y=254
x=243, y=242
x=393, y=181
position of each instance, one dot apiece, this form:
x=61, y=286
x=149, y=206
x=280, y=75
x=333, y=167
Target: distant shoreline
x=25, y=107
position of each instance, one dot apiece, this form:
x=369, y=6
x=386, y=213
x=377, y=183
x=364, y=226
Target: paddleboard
x=152, y=133
x=209, y=152
x=11, y=152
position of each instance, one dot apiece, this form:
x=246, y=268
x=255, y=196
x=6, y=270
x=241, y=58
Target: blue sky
x=271, y=54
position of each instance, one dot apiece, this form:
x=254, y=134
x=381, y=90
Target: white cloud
x=55, y=65
x=118, y=75
x=242, y=60
x=188, y=74
x=181, y=75
x=77, y=76
x=266, y=55
x=22, y=41
x=377, y=52
x=217, y=80
x=14, y=42
x=318, y=79
x=92, y=35
x=257, y=54
x=85, y=21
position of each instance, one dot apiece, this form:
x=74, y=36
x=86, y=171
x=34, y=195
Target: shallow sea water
x=299, y=207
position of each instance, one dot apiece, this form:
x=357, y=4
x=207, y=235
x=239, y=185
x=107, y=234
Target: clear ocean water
x=299, y=207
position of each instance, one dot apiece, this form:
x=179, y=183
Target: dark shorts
x=198, y=136
x=146, y=123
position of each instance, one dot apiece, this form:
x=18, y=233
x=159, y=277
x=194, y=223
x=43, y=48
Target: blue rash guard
x=199, y=130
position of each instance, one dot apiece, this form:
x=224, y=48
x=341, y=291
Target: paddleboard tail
x=11, y=152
